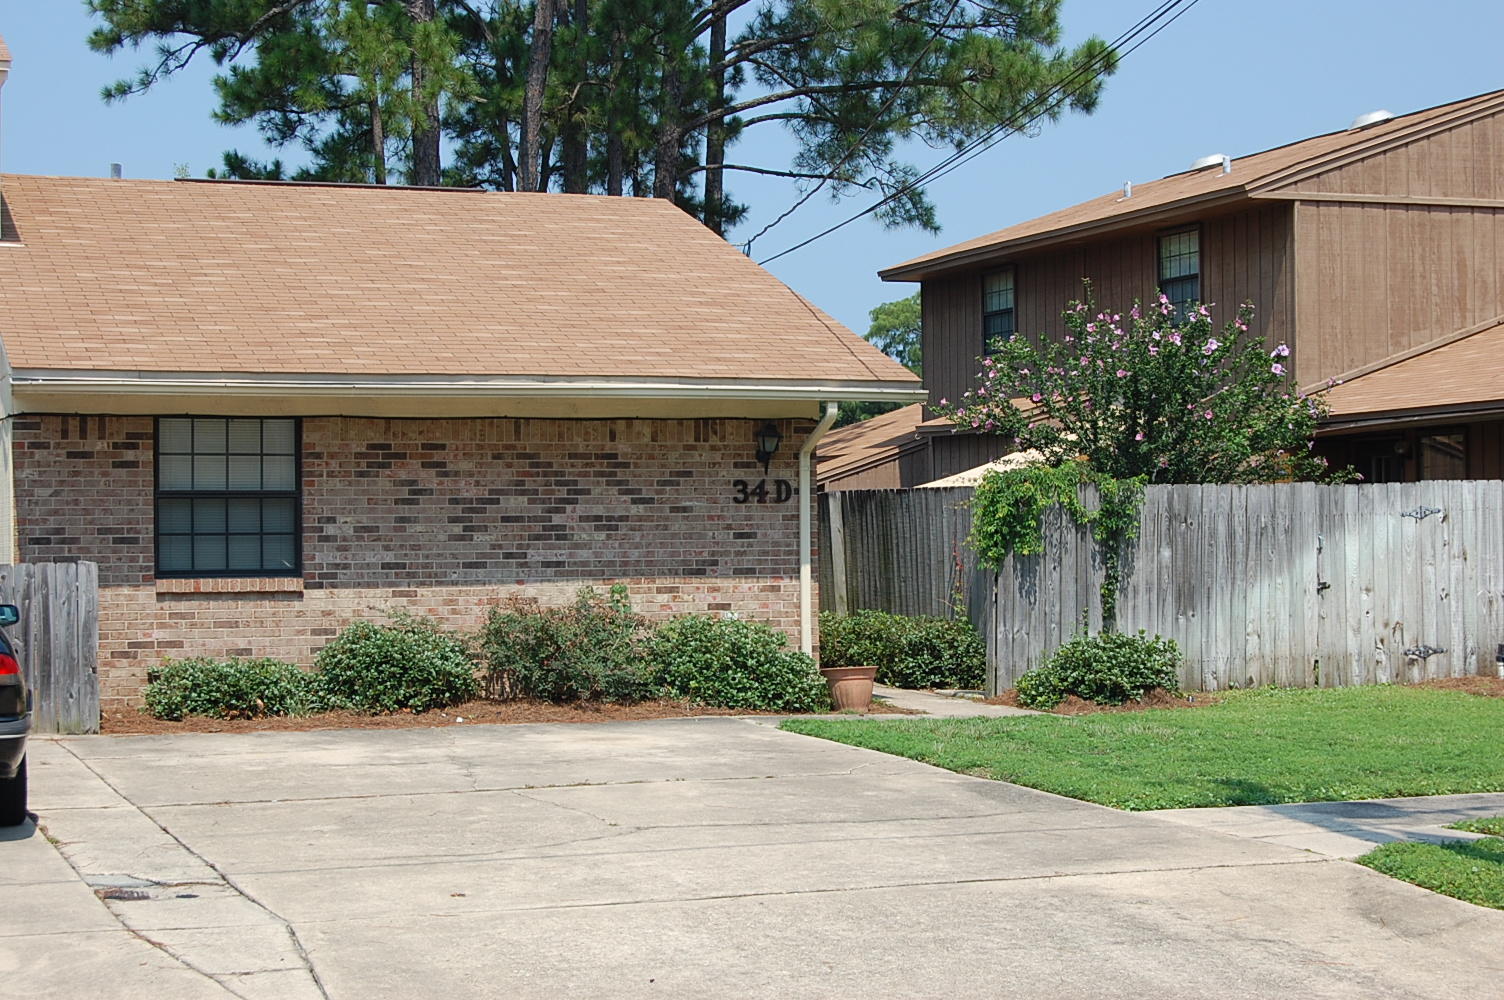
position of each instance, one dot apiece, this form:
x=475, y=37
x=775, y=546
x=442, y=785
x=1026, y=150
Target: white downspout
x=806, y=533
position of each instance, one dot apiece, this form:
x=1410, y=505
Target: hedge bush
x=1108, y=668
x=410, y=665
x=732, y=663
x=227, y=689
x=909, y=652
x=591, y=650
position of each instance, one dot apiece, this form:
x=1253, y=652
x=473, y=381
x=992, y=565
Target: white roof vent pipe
x=1372, y=118
x=1214, y=160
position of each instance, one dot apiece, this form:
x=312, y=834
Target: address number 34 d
x=762, y=491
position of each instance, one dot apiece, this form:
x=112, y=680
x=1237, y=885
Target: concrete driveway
x=688, y=858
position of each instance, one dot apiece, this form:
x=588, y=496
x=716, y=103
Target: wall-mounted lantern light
x=768, y=440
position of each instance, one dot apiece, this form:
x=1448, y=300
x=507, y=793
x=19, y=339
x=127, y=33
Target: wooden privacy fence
x=1289, y=584
x=57, y=641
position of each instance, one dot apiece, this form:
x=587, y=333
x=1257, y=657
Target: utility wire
x=876, y=120
x=1035, y=110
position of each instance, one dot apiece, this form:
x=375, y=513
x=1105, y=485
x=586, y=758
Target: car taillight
x=8, y=664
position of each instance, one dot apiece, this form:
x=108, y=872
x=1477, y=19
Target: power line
x=1043, y=103
x=876, y=120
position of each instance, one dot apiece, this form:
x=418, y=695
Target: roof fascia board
x=1144, y=216
x=171, y=383
x=1411, y=201
x=1379, y=419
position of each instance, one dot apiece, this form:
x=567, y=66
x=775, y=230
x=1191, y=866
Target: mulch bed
x=131, y=722
x=1072, y=705
x=1486, y=687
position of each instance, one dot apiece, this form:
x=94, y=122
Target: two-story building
x=1375, y=252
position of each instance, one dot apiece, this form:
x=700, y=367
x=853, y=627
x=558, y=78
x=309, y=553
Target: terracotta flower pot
x=850, y=687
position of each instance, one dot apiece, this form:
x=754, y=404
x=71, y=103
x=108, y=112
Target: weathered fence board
x=1289, y=584
x=57, y=641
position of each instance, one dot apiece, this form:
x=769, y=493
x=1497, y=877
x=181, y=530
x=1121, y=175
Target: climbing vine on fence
x=1007, y=516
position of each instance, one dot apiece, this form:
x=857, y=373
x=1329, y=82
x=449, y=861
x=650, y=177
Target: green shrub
x=731, y=663
x=590, y=650
x=1108, y=668
x=920, y=652
x=227, y=689
x=411, y=665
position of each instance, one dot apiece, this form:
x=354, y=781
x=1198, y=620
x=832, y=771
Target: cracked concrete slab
x=706, y=857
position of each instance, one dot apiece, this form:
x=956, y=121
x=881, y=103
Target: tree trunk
x=378, y=144
x=425, y=164
x=670, y=134
x=508, y=165
x=715, y=132
x=615, y=150
x=530, y=151
x=575, y=147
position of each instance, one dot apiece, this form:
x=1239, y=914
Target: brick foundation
x=437, y=517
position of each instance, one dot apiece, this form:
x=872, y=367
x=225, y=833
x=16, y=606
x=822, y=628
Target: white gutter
x=170, y=383
x=806, y=539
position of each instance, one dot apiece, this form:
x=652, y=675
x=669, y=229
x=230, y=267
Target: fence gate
x=57, y=641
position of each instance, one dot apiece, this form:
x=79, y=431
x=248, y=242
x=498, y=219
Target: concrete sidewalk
x=942, y=705
x=709, y=857
x=1345, y=829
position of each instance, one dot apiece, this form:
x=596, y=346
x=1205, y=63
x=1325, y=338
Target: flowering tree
x=1154, y=394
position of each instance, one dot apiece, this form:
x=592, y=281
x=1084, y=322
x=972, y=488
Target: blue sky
x=1231, y=76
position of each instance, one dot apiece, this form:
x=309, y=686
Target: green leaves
x=227, y=689
x=591, y=650
x=1144, y=394
x=909, y=652
x=733, y=663
x=410, y=666
x=1109, y=669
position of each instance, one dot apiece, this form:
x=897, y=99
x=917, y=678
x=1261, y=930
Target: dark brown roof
x=1249, y=174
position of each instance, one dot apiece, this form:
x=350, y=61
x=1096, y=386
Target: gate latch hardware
x=1422, y=512
x=1421, y=652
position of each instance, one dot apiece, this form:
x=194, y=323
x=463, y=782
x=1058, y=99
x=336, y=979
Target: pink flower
x=1208, y=414
x=986, y=361
x=944, y=401
x=1153, y=350
x=1036, y=397
x=976, y=423
x=1282, y=351
x=1202, y=311
x=1163, y=298
x=1175, y=339
x=1277, y=368
x=1134, y=311
x=1122, y=373
x=1139, y=436
x=1091, y=328
x=1211, y=345
x=1240, y=324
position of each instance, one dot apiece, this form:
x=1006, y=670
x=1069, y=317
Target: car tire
x=13, y=797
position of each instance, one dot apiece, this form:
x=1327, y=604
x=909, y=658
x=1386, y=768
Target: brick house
x=1374, y=251
x=268, y=409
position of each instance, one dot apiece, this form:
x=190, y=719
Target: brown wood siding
x=1245, y=256
x=1463, y=162
x=953, y=453
x=1379, y=279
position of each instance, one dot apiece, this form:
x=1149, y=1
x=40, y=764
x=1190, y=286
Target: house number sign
x=762, y=491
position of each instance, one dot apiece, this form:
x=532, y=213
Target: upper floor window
x=997, y=306
x=228, y=497
x=1180, y=267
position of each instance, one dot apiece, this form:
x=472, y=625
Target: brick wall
x=438, y=517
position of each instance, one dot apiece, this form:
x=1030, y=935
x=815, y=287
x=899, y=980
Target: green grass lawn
x=1253, y=748
x=1472, y=870
x=1493, y=825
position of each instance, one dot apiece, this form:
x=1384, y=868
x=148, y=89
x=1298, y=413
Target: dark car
x=15, y=723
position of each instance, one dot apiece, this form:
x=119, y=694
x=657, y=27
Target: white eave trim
x=459, y=386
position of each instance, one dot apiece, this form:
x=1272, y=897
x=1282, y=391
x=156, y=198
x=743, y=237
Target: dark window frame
x=1011, y=312
x=295, y=494
x=1160, y=279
